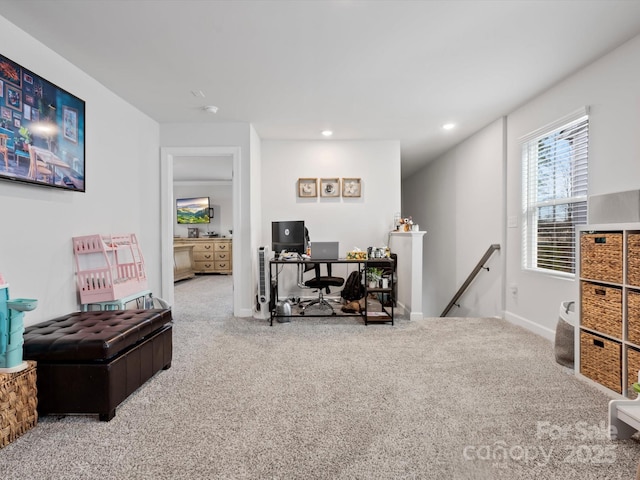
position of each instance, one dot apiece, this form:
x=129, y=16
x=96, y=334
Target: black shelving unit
x=386, y=295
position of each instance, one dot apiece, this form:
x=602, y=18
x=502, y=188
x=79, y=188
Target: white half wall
x=409, y=247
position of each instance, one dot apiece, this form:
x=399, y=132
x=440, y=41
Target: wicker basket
x=601, y=256
x=633, y=259
x=18, y=403
x=602, y=309
x=633, y=317
x=633, y=365
x=600, y=360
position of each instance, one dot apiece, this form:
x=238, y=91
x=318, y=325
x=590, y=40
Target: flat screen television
x=193, y=210
x=289, y=236
x=42, y=128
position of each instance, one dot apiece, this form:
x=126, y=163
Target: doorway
x=169, y=158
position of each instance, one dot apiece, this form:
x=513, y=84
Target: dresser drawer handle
x=600, y=291
x=598, y=343
x=207, y=247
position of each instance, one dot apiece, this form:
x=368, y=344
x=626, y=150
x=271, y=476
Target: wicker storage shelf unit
x=600, y=360
x=609, y=322
x=601, y=256
x=18, y=403
x=602, y=308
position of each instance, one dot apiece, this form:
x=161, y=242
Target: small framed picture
x=13, y=97
x=70, y=124
x=351, y=187
x=307, y=187
x=329, y=187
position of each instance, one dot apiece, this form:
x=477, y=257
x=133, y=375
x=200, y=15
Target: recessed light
x=327, y=133
x=448, y=126
x=210, y=109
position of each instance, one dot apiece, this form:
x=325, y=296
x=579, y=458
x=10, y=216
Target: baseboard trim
x=529, y=325
x=402, y=310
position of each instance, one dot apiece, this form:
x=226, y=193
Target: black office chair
x=319, y=282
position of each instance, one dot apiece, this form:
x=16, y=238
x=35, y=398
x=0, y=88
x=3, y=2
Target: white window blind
x=555, y=181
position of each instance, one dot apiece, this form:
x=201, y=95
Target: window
x=554, y=185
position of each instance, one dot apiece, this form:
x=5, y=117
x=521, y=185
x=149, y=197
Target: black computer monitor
x=290, y=236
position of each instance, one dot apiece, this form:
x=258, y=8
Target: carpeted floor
x=328, y=398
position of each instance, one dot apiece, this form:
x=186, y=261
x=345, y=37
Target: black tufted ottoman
x=89, y=362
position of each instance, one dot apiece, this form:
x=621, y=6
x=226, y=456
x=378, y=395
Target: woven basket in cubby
x=601, y=360
x=633, y=366
x=633, y=259
x=633, y=317
x=601, y=256
x=602, y=308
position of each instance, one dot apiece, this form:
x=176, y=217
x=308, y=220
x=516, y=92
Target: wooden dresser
x=210, y=255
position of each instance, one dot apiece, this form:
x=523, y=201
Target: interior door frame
x=167, y=155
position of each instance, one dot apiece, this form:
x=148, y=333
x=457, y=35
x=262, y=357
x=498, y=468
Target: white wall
x=221, y=200
x=458, y=200
x=122, y=182
x=609, y=87
x=354, y=222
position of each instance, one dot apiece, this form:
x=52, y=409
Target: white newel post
x=408, y=246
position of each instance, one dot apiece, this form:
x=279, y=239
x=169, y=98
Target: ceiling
x=391, y=70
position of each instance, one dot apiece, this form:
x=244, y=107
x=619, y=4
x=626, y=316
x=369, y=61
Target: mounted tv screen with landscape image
x=41, y=130
x=193, y=210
